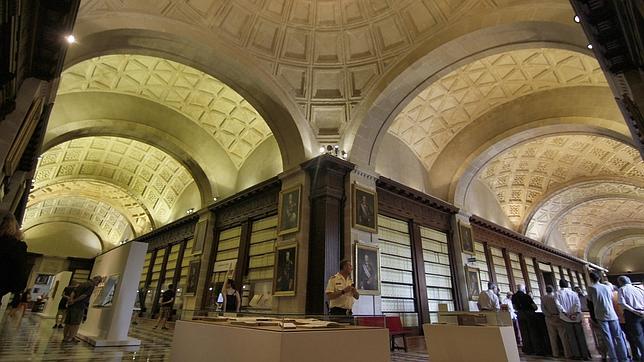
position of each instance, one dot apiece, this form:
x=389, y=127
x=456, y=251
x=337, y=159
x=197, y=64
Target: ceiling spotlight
x=322, y=149
x=190, y=210
x=577, y=19
x=214, y=199
x=329, y=148
x=344, y=154
x=589, y=46
x=71, y=39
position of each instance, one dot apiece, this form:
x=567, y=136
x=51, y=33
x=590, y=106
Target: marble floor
x=32, y=338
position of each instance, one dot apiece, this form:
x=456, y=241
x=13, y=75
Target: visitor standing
x=232, y=300
x=488, y=299
x=341, y=291
x=525, y=307
x=554, y=324
x=631, y=298
x=167, y=298
x=602, y=298
x=570, y=314
x=13, y=256
x=77, y=304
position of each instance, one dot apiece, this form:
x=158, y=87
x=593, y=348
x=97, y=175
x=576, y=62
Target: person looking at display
x=488, y=300
x=525, y=307
x=167, y=298
x=232, y=300
x=76, y=305
x=507, y=301
x=553, y=323
x=341, y=291
x=62, y=306
x=602, y=298
x=569, y=307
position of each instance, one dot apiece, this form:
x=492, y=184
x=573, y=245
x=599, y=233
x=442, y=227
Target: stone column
x=204, y=234
x=460, y=262
x=328, y=177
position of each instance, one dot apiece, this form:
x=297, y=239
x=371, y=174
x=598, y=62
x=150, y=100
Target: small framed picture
x=200, y=237
x=367, y=268
x=472, y=276
x=42, y=279
x=467, y=244
x=193, y=277
x=364, y=203
x=285, y=269
x=289, y=210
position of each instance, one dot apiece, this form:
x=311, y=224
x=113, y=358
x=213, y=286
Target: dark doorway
x=549, y=279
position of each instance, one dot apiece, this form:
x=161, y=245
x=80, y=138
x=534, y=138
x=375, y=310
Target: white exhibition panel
x=51, y=308
x=484, y=343
x=108, y=326
x=204, y=341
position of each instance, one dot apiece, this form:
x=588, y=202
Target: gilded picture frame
x=467, y=242
x=289, y=206
x=367, y=268
x=285, y=276
x=364, y=208
x=193, y=277
x=473, y=279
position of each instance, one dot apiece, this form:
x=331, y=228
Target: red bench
x=392, y=323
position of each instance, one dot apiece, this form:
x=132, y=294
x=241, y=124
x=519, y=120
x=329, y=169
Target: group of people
x=616, y=313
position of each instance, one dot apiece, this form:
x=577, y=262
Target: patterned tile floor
x=33, y=339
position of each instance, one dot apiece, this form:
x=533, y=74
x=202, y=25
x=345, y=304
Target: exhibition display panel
x=485, y=343
x=203, y=340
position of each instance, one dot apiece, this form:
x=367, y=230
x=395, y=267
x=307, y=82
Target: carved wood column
x=327, y=174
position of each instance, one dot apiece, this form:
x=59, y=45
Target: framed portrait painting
x=285, y=269
x=289, y=210
x=473, y=283
x=367, y=268
x=467, y=244
x=200, y=236
x=193, y=276
x=364, y=203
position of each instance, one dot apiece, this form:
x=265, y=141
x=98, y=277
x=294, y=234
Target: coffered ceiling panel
x=118, y=198
x=580, y=223
x=559, y=202
x=526, y=173
x=218, y=109
x=325, y=53
x=100, y=217
x=146, y=173
x=447, y=106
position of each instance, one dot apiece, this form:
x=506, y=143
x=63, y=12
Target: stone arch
x=465, y=41
x=152, y=35
x=610, y=234
x=109, y=114
x=537, y=115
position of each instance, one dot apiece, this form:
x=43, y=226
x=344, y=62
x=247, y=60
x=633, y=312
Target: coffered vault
x=501, y=94
x=211, y=104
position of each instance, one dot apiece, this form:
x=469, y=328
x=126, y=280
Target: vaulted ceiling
x=165, y=100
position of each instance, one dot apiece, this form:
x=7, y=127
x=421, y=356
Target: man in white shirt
x=554, y=324
x=488, y=300
x=341, y=291
x=507, y=301
x=570, y=314
x=632, y=299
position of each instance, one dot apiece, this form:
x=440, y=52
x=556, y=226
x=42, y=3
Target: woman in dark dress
x=232, y=300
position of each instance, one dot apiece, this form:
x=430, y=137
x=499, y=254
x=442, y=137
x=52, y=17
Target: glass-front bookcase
x=534, y=282
x=517, y=272
x=500, y=270
x=481, y=264
x=225, y=261
x=438, y=276
x=258, y=282
x=397, y=286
